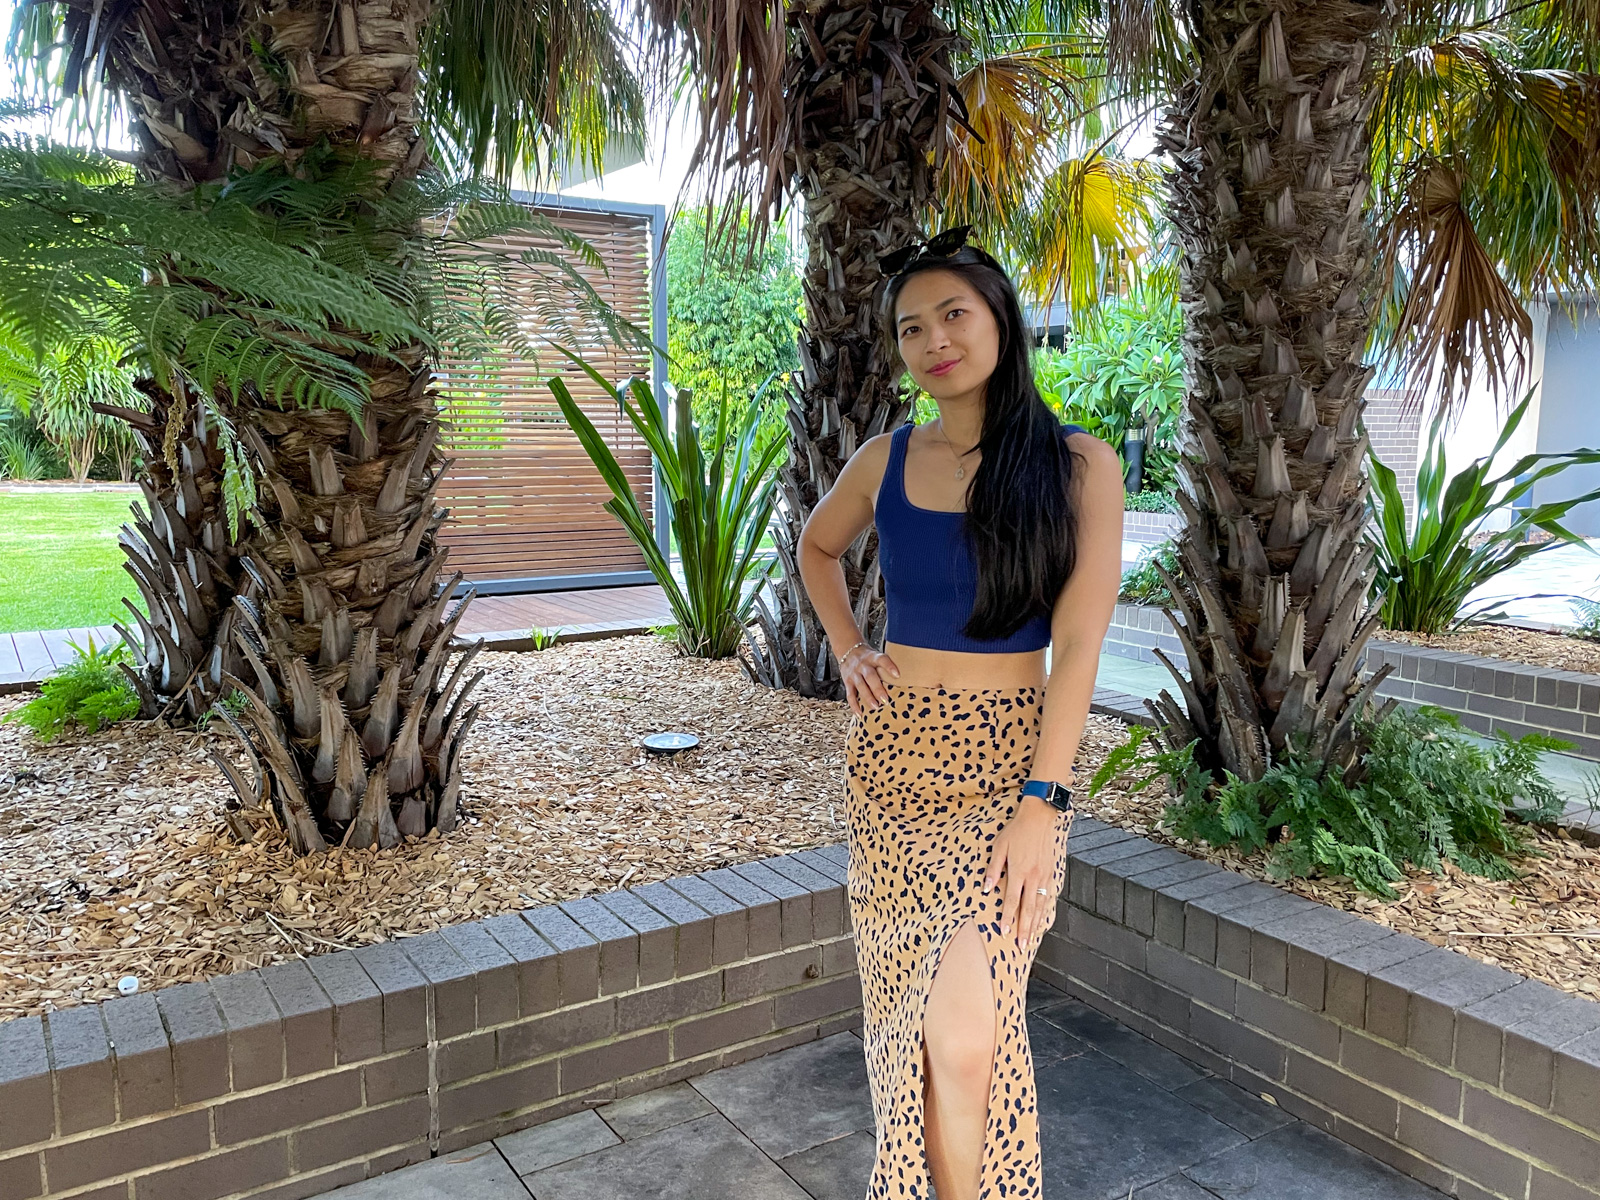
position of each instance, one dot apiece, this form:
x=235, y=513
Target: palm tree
x=1341, y=176
x=330, y=615
x=876, y=117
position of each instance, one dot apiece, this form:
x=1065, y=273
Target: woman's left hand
x=1025, y=850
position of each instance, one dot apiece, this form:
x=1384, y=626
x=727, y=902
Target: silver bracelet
x=844, y=658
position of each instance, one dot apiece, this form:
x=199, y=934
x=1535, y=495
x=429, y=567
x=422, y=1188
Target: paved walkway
x=31, y=656
x=1120, y=1117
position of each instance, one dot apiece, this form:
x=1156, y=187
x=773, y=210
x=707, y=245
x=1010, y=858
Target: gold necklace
x=961, y=467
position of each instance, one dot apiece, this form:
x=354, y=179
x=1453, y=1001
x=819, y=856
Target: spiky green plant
x=1426, y=568
x=719, y=509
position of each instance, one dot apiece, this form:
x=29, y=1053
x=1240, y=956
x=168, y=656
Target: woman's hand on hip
x=1025, y=851
x=864, y=677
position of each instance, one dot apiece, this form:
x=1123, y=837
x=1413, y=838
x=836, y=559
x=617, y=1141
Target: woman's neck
x=961, y=421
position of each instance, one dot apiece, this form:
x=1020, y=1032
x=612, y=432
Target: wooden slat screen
x=525, y=501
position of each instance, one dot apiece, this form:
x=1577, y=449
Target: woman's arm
x=1082, y=612
x=1026, y=848
x=838, y=519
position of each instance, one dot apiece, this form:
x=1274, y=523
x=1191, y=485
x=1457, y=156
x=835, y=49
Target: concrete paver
x=1120, y=1116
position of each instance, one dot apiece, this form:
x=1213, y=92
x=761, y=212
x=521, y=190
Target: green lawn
x=59, y=563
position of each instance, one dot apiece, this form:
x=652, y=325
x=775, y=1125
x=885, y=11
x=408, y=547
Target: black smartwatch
x=1051, y=792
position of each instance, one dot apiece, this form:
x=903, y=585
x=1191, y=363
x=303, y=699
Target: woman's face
x=947, y=334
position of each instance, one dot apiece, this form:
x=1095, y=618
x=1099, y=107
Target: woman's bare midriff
x=924, y=667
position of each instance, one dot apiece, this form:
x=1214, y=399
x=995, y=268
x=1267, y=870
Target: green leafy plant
x=1149, y=502
x=730, y=321
x=1142, y=582
x=1418, y=796
x=1427, y=568
x=25, y=455
x=720, y=509
x=91, y=691
x=1588, y=614
x=234, y=703
x=1123, y=372
x=542, y=638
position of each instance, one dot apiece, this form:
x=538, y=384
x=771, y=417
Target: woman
x=999, y=532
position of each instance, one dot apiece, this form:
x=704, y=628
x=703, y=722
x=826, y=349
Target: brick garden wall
x=291, y=1080
x=294, y=1079
x=1489, y=695
x=1475, y=1080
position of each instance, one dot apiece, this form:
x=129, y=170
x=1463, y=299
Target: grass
x=59, y=563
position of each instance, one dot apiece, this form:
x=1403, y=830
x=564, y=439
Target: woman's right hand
x=864, y=676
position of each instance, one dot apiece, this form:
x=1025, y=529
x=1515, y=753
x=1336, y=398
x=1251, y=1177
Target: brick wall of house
x=1394, y=422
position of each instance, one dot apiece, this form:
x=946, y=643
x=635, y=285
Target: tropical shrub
x=720, y=506
x=1418, y=796
x=91, y=691
x=1142, y=582
x=25, y=454
x=59, y=390
x=1122, y=372
x=1427, y=568
x=1588, y=613
x=1149, y=502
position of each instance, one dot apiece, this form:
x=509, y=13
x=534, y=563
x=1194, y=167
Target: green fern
x=1422, y=796
x=89, y=691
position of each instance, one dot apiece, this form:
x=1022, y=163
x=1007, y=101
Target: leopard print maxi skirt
x=932, y=776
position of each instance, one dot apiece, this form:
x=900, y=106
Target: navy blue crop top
x=930, y=577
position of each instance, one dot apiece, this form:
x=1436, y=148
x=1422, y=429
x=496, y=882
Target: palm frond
x=511, y=86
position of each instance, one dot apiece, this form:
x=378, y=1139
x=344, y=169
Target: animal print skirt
x=932, y=776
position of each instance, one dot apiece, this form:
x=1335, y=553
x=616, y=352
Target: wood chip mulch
x=117, y=861
x=1536, y=647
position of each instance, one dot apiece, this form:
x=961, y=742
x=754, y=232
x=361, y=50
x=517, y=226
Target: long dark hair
x=1020, y=520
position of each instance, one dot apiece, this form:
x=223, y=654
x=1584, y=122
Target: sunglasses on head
x=941, y=245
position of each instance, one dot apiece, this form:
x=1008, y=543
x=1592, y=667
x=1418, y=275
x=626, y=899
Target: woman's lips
x=945, y=368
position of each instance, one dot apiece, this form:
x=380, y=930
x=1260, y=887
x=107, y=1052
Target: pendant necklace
x=961, y=467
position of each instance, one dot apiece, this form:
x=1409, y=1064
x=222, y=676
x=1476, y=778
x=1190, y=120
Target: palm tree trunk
x=870, y=94
x=182, y=560
x=330, y=617
x=357, y=716
x=1268, y=196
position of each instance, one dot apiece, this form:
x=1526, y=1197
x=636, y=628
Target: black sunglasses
x=941, y=245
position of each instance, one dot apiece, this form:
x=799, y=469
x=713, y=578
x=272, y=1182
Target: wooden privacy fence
x=526, y=503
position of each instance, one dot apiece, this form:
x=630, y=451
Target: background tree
x=730, y=321
x=870, y=116
x=310, y=111
x=60, y=393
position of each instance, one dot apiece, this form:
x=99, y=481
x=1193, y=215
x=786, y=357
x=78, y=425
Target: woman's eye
x=954, y=312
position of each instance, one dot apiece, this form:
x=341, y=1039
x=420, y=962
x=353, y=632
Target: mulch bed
x=118, y=863
x=1536, y=647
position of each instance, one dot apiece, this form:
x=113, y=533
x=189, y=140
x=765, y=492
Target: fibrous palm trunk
x=186, y=72
x=182, y=559
x=337, y=635
x=357, y=715
x=870, y=94
x=1272, y=176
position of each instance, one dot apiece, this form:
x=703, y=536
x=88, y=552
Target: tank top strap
x=1069, y=428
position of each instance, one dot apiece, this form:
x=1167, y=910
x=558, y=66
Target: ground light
x=669, y=743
